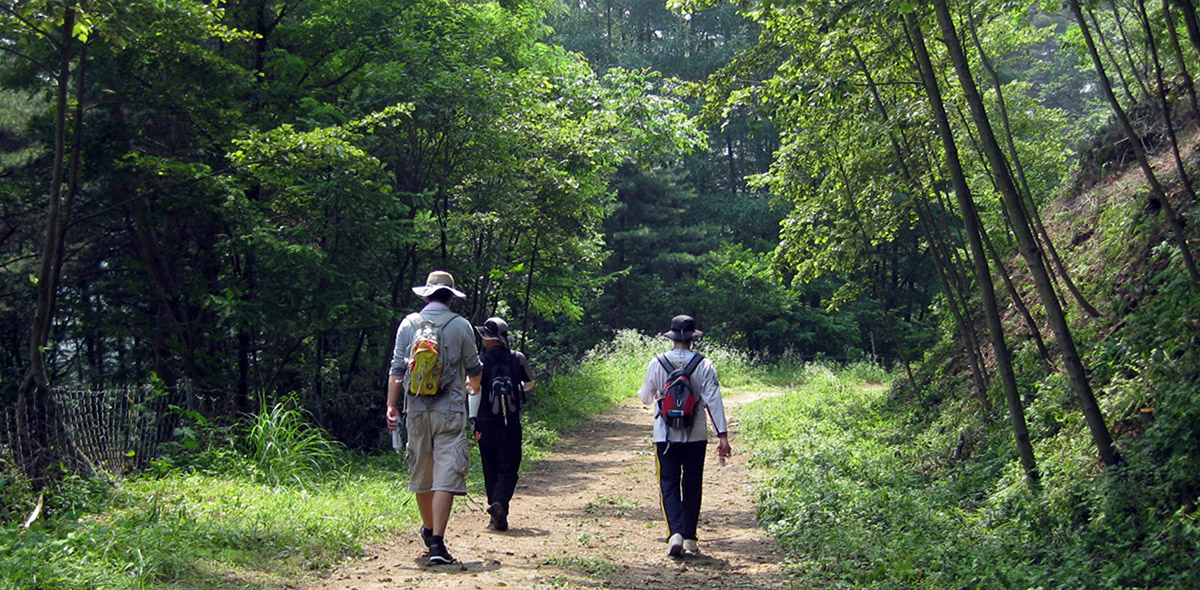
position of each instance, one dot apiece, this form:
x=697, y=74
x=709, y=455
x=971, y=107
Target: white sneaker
x=675, y=545
x=691, y=546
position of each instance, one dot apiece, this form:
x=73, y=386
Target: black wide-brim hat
x=683, y=328
x=494, y=329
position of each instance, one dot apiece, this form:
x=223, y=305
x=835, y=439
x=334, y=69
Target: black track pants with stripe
x=681, y=477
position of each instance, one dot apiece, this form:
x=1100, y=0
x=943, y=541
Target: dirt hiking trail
x=588, y=516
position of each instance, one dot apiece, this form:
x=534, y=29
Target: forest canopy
x=230, y=201
x=213, y=208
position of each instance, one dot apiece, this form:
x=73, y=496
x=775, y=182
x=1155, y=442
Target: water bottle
x=398, y=440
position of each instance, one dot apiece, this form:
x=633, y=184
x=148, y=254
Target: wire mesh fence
x=118, y=430
x=115, y=431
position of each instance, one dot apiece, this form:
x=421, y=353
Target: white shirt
x=704, y=380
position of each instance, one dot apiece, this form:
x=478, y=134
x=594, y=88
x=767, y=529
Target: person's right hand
x=393, y=418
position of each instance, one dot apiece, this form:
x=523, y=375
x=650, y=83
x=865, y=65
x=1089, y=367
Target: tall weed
x=285, y=447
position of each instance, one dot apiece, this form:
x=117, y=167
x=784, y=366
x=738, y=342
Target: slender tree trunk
x=983, y=277
x=965, y=329
x=1112, y=58
x=1164, y=101
x=1002, y=268
x=1126, y=46
x=1188, y=9
x=1035, y=333
x=537, y=238
x=36, y=414
x=732, y=161
x=1019, y=168
x=1189, y=85
x=971, y=349
x=888, y=321
x=1135, y=142
x=1028, y=245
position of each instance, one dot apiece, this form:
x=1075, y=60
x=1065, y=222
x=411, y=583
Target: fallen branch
x=37, y=511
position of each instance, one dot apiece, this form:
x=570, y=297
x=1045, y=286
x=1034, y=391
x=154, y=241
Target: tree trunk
x=970, y=347
x=1028, y=245
x=1189, y=85
x=889, y=322
x=1126, y=45
x=1135, y=143
x=955, y=301
x=1164, y=101
x=1191, y=22
x=1018, y=302
x=529, y=289
x=35, y=406
x=983, y=277
x=1112, y=58
x=1026, y=192
x=1001, y=268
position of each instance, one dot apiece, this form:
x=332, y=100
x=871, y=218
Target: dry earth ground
x=589, y=517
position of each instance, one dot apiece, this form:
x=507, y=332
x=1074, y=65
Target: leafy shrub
x=285, y=447
x=866, y=371
x=15, y=492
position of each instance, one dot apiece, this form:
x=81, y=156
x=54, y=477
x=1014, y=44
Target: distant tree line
x=235, y=198
x=952, y=123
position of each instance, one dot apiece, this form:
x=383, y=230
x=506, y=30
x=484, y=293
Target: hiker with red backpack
x=683, y=387
x=496, y=417
x=434, y=362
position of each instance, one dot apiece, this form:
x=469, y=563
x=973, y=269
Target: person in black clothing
x=496, y=417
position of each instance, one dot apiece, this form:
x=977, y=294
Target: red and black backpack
x=677, y=400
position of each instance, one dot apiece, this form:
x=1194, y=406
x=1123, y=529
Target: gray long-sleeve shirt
x=457, y=353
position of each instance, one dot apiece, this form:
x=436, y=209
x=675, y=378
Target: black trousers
x=500, y=457
x=681, y=477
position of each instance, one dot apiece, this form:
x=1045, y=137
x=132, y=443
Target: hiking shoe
x=691, y=546
x=675, y=545
x=438, y=555
x=427, y=537
x=499, y=520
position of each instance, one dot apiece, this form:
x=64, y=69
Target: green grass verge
x=864, y=491
x=261, y=504
x=850, y=511
x=195, y=530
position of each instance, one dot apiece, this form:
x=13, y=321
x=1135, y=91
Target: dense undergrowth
x=263, y=502
x=919, y=486
x=867, y=485
x=867, y=490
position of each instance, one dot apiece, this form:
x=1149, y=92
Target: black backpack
x=504, y=391
x=677, y=400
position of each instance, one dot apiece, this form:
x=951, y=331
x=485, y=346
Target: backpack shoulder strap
x=666, y=364
x=500, y=357
x=692, y=364
x=440, y=324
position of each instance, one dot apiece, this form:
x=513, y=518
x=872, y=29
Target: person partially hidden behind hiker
x=681, y=443
x=436, y=417
x=496, y=417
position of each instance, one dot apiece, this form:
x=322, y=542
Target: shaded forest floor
x=589, y=517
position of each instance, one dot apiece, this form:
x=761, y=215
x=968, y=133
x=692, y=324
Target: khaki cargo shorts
x=437, y=452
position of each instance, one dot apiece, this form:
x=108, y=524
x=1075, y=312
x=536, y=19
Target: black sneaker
x=427, y=537
x=499, y=520
x=438, y=555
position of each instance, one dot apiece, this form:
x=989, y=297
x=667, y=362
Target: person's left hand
x=723, y=448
